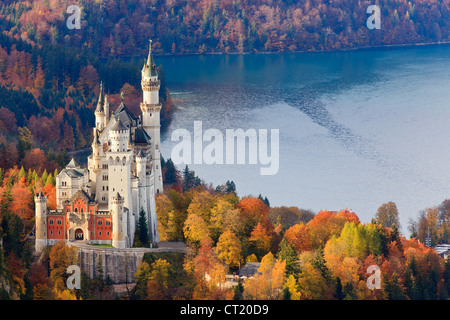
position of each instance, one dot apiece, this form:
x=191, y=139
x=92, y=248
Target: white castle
x=101, y=204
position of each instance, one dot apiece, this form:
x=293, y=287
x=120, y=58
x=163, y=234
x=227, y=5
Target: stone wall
x=119, y=264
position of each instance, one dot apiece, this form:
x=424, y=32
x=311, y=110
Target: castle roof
x=119, y=125
x=101, y=99
x=72, y=164
x=149, y=69
x=141, y=136
x=73, y=173
x=125, y=115
x=73, y=170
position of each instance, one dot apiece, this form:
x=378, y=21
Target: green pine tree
x=287, y=252
x=144, y=237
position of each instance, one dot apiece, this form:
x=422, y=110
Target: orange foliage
x=299, y=236
x=35, y=159
x=22, y=200
x=261, y=238
x=50, y=191
x=254, y=210
x=327, y=223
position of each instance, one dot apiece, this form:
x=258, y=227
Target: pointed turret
x=149, y=69
x=100, y=111
x=72, y=164
x=101, y=99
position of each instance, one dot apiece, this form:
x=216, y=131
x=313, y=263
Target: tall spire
x=149, y=51
x=149, y=69
x=101, y=98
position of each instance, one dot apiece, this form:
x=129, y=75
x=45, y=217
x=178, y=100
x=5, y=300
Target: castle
x=100, y=204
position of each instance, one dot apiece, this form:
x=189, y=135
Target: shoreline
x=377, y=47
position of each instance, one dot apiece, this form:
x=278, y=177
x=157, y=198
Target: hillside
x=122, y=28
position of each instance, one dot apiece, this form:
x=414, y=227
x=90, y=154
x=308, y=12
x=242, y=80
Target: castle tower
x=106, y=110
x=41, y=221
x=100, y=116
x=119, y=170
x=118, y=230
x=141, y=164
x=151, y=109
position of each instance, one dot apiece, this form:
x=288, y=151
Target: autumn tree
x=22, y=201
x=260, y=238
x=158, y=280
x=35, y=159
x=387, y=215
x=253, y=211
x=40, y=281
x=208, y=271
x=229, y=249
x=311, y=284
x=268, y=283
x=60, y=258
x=195, y=230
x=299, y=236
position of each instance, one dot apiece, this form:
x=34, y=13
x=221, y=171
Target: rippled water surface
x=357, y=129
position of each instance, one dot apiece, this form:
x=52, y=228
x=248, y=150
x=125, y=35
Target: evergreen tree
x=170, y=176
x=144, y=237
x=238, y=291
x=288, y=253
x=265, y=200
x=230, y=187
x=339, y=294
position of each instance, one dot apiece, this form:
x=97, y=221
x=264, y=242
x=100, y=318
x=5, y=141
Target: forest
x=303, y=255
x=111, y=28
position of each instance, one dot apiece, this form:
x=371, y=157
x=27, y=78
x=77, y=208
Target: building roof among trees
x=249, y=270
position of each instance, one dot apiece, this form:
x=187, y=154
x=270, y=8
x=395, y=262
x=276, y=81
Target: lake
x=356, y=128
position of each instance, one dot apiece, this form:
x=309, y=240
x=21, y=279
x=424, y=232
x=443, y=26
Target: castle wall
x=119, y=264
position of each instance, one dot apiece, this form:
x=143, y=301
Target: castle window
x=108, y=223
x=59, y=232
x=58, y=221
x=107, y=233
x=76, y=210
x=99, y=233
x=99, y=222
x=50, y=221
